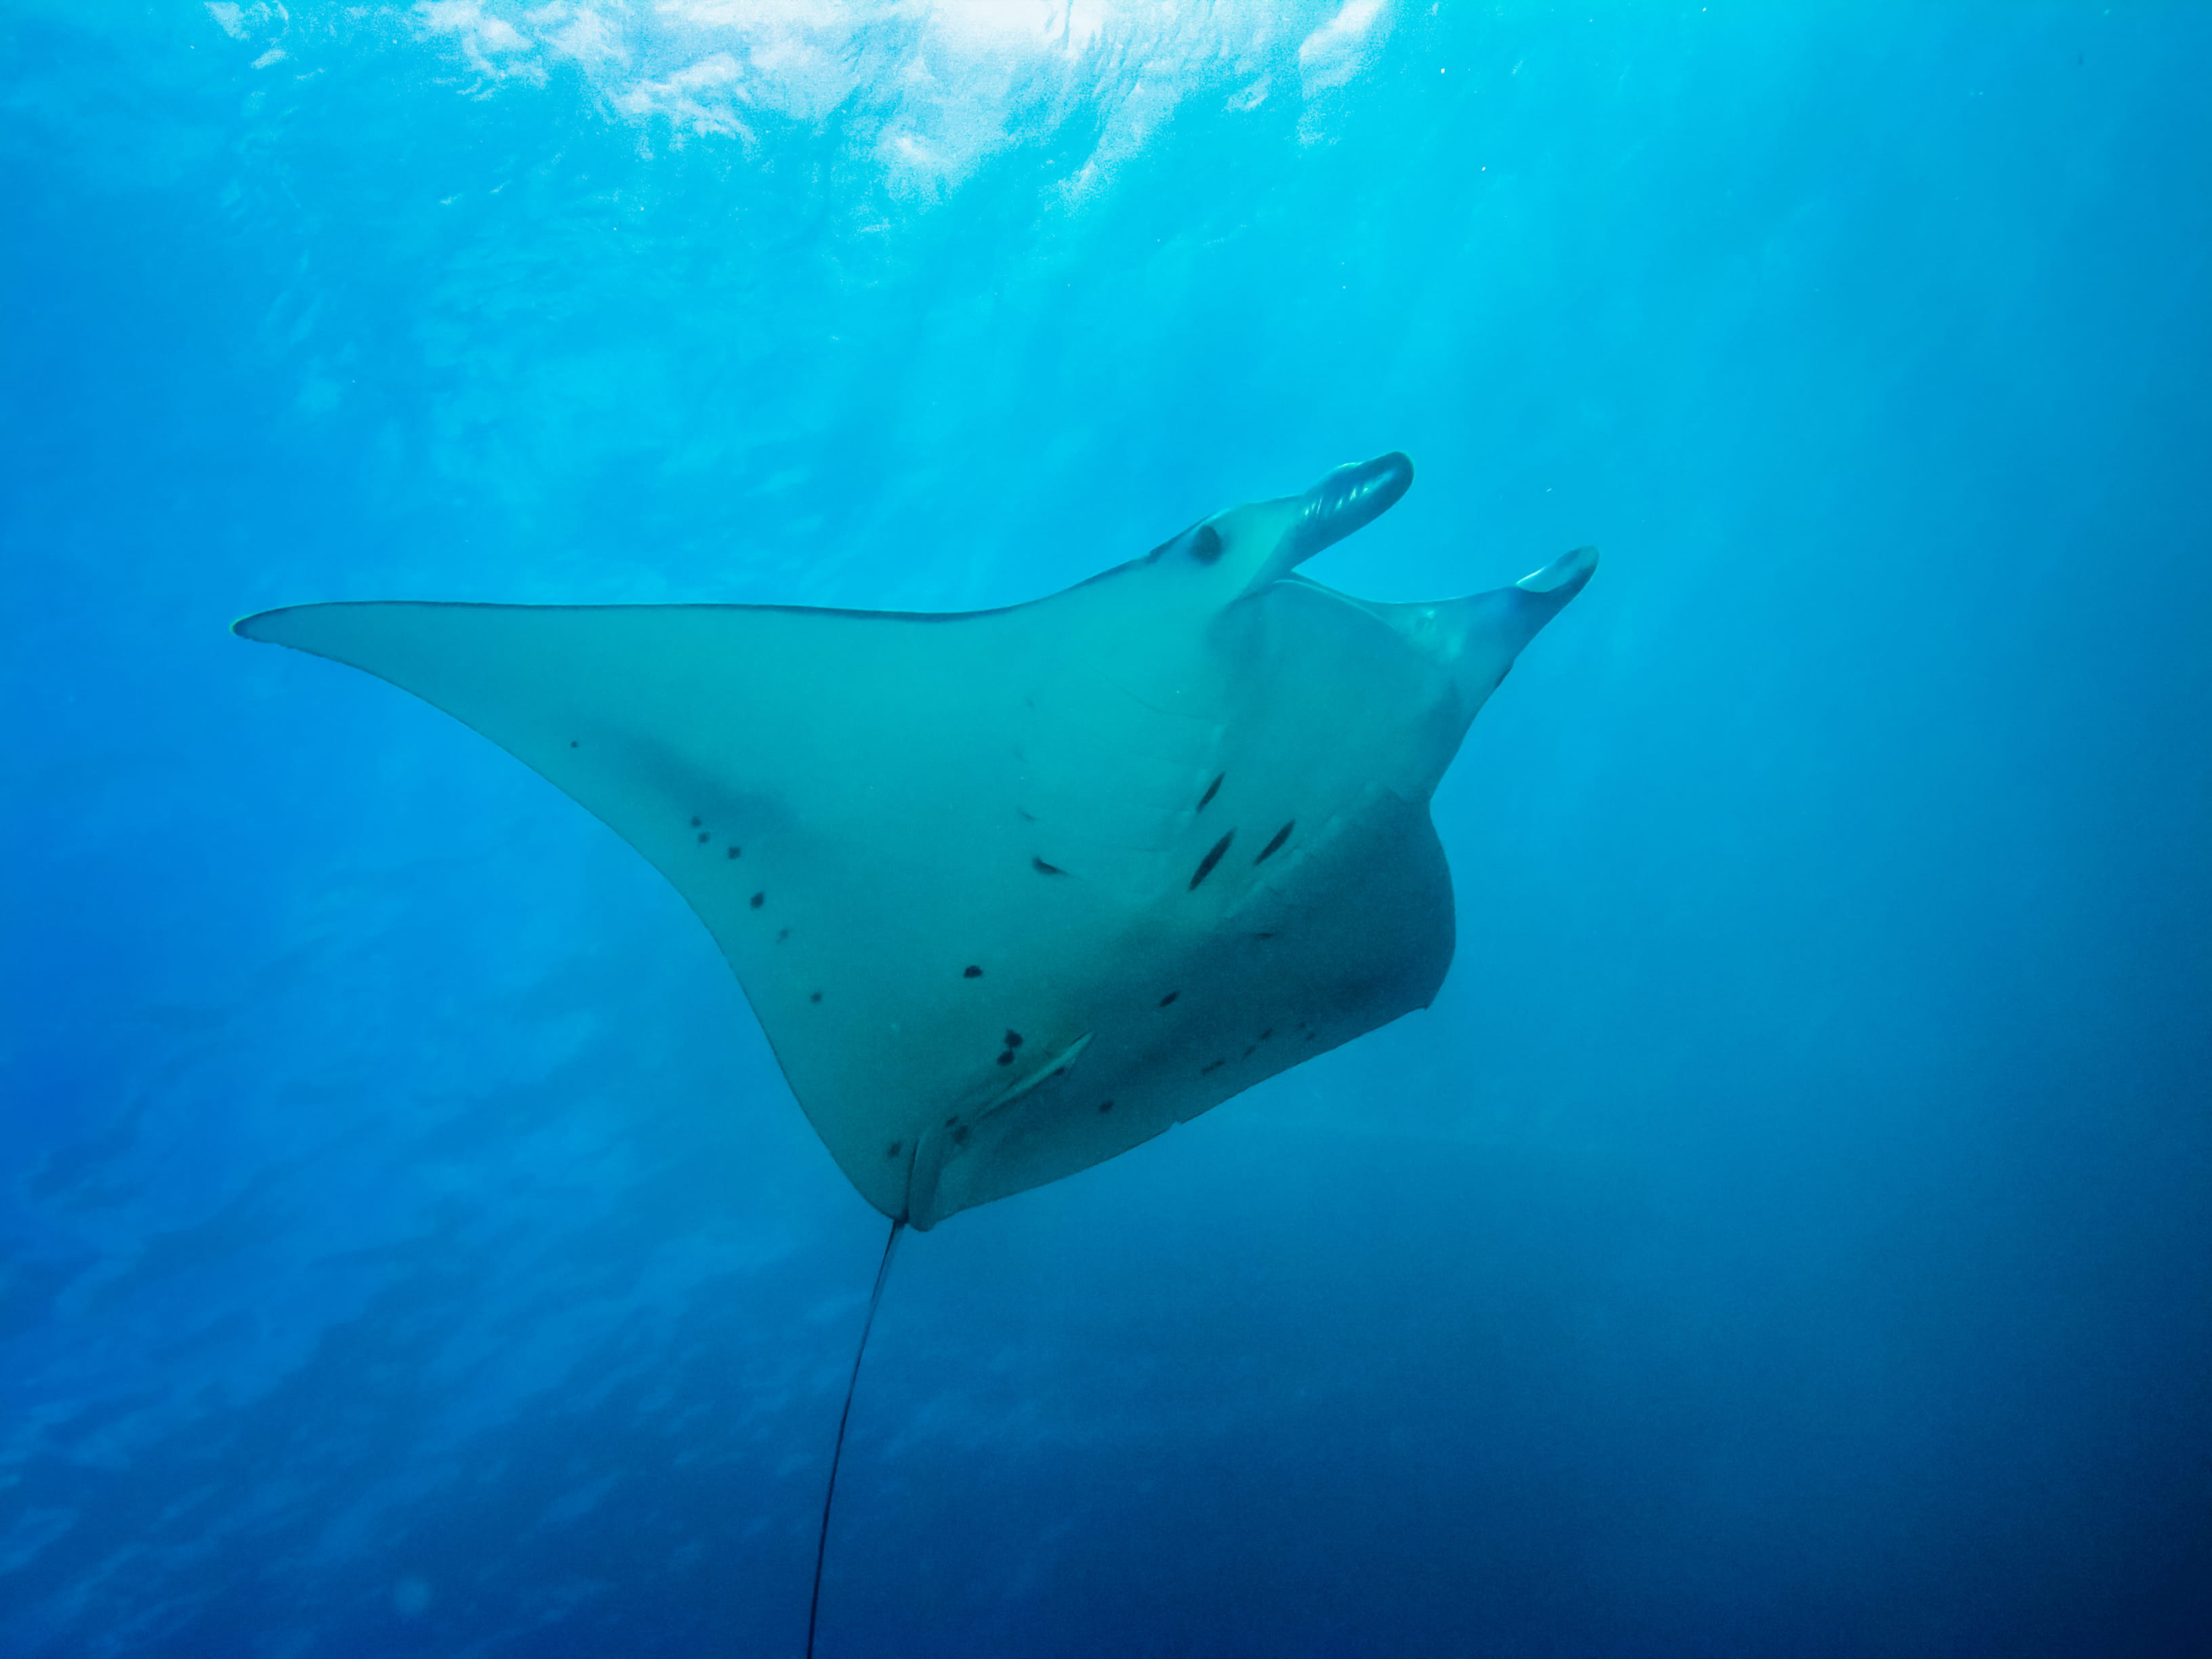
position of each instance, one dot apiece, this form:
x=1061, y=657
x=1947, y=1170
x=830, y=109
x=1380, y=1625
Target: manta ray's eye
x=1206, y=543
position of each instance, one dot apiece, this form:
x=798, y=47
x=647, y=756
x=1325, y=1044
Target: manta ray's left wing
x=842, y=796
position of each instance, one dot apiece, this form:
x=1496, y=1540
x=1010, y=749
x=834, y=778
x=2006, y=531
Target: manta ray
x=1012, y=891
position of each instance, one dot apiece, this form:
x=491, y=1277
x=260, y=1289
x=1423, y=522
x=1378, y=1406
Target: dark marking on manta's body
x=1211, y=790
x=1044, y=869
x=1211, y=1066
x=734, y=853
x=1281, y=835
x=1213, y=857
x=1205, y=544
x=1169, y=998
x=971, y=971
x=759, y=899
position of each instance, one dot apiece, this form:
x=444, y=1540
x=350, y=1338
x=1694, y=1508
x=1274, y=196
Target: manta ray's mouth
x=1349, y=499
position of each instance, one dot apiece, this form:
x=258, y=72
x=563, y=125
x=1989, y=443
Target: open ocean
x=1789, y=1233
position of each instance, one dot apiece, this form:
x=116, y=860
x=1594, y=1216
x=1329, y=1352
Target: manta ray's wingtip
x=280, y=626
x=255, y=627
x=1564, y=575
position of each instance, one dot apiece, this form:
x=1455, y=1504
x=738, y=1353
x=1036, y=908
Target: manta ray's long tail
x=830, y=1494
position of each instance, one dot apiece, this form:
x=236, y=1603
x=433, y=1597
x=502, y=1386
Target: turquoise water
x=1788, y=1232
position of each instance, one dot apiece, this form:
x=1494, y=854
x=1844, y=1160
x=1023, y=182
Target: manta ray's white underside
x=1015, y=891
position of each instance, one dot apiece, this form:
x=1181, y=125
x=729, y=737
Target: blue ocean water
x=1790, y=1231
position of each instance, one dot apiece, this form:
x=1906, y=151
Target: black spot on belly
x=1169, y=998
x=1206, y=865
x=971, y=971
x=1266, y=935
x=1044, y=869
x=572, y=743
x=759, y=899
x=1264, y=1034
x=694, y=823
x=1014, y=1039
x=1281, y=835
x=893, y=1150
x=734, y=853
x=703, y=838
x=1211, y=1066
x=1007, y=1057
x=1105, y=1105
x=960, y=1136
x=816, y=997
x=1211, y=790
x=1250, y=1049
x=782, y=935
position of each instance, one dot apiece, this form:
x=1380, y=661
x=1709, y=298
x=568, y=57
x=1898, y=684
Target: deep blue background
x=1790, y=1232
